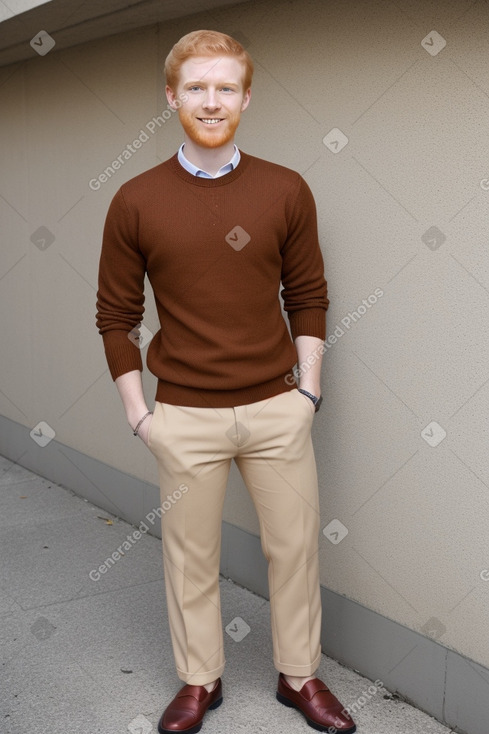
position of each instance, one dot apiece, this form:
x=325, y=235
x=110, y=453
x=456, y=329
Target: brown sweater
x=216, y=252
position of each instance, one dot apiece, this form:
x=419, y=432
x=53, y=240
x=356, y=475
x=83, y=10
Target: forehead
x=212, y=70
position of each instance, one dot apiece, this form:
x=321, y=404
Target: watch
x=317, y=401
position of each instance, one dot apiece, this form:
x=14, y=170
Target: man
x=218, y=231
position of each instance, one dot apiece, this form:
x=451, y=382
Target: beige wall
x=417, y=157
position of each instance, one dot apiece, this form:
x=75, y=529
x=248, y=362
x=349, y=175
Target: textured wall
x=402, y=436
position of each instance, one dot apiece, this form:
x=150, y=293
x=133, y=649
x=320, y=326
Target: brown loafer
x=320, y=707
x=188, y=708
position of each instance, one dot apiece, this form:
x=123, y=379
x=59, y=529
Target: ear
x=171, y=97
x=246, y=99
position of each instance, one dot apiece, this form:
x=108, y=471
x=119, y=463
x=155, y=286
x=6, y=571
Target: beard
x=205, y=135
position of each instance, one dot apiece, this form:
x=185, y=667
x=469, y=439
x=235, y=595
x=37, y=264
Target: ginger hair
x=206, y=43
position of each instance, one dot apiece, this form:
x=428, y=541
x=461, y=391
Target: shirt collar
x=227, y=168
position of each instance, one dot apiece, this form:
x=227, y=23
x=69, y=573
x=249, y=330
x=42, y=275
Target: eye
x=227, y=89
x=194, y=88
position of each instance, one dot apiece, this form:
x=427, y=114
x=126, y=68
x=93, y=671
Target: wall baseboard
x=435, y=679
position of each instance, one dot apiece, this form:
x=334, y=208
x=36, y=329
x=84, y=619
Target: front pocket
x=311, y=407
x=153, y=418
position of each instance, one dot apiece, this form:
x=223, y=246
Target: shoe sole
x=193, y=729
x=311, y=722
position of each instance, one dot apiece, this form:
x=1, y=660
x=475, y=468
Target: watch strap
x=316, y=400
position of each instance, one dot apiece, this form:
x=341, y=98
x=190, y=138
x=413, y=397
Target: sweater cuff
x=121, y=353
x=309, y=322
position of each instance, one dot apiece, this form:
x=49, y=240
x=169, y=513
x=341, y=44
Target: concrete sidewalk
x=90, y=653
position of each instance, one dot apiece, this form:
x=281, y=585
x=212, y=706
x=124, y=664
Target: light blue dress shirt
x=227, y=168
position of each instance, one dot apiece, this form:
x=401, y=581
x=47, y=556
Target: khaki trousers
x=270, y=441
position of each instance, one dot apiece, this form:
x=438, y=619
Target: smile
x=210, y=121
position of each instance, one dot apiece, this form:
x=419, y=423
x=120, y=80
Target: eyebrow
x=202, y=81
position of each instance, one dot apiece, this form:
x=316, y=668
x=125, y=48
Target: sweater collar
x=191, y=168
x=190, y=178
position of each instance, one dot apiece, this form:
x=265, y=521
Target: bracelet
x=136, y=430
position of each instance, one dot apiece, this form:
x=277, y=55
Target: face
x=215, y=99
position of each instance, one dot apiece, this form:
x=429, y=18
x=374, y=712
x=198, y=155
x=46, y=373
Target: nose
x=211, y=101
